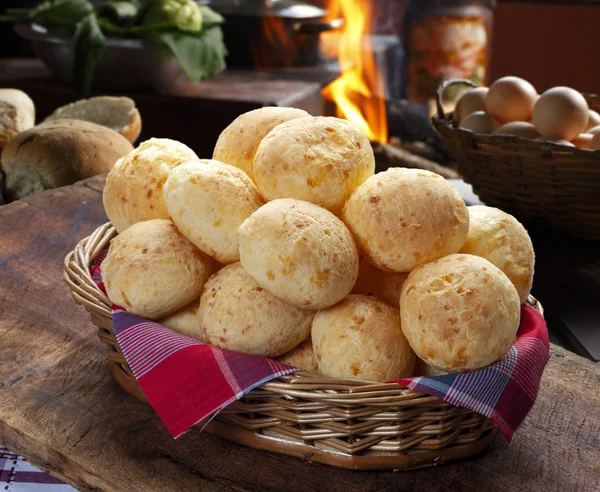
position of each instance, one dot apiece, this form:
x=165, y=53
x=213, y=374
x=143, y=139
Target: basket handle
x=442, y=89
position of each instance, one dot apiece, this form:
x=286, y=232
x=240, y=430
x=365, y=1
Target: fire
x=355, y=91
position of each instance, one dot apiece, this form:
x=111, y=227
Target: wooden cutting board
x=60, y=408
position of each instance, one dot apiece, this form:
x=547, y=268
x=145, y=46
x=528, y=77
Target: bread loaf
x=237, y=314
x=59, y=153
x=303, y=357
x=319, y=160
x=459, y=313
x=403, y=218
x=237, y=144
x=299, y=252
x=117, y=113
x=152, y=271
x=208, y=201
x=360, y=337
x=134, y=188
x=17, y=114
x=501, y=239
x=185, y=321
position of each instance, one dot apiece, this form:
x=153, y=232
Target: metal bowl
x=126, y=64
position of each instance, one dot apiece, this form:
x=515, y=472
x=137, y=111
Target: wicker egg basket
x=527, y=178
x=346, y=423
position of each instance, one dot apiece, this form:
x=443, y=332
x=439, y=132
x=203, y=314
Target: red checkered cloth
x=187, y=381
x=18, y=475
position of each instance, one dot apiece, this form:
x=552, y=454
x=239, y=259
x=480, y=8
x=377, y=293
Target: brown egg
x=595, y=143
x=511, y=99
x=480, y=122
x=518, y=129
x=593, y=120
x=471, y=101
x=593, y=130
x=558, y=141
x=560, y=113
x=583, y=141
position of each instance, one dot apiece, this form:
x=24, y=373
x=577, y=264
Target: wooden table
x=60, y=408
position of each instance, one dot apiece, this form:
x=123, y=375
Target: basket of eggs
x=285, y=296
x=534, y=156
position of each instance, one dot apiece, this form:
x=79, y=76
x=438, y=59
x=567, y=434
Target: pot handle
x=317, y=26
x=442, y=88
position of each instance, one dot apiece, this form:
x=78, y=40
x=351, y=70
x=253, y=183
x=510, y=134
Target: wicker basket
x=346, y=423
x=529, y=179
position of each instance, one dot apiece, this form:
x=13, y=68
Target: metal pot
x=126, y=64
x=273, y=33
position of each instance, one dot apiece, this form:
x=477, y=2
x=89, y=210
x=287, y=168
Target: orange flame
x=355, y=91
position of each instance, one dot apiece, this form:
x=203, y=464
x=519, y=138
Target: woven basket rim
x=351, y=424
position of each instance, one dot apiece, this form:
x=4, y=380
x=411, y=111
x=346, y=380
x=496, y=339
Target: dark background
x=549, y=43
x=11, y=45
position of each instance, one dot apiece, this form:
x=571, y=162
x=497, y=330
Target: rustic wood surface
x=60, y=408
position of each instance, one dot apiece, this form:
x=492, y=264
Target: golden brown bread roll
x=459, y=313
x=303, y=357
x=237, y=314
x=501, y=239
x=299, y=252
x=185, y=321
x=117, y=113
x=208, y=201
x=403, y=218
x=152, y=270
x=371, y=281
x=133, y=190
x=361, y=338
x=237, y=144
x=320, y=160
x=59, y=153
x=17, y=114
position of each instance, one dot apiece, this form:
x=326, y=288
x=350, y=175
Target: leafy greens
x=88, y=45
x=192, y=33
x=199, y=56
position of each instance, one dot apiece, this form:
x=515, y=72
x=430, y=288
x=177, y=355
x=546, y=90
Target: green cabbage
x=184, y=15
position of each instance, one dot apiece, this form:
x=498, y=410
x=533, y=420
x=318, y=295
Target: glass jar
x=445, y=39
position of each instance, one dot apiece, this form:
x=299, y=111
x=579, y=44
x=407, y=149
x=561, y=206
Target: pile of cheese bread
x=287, y=245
